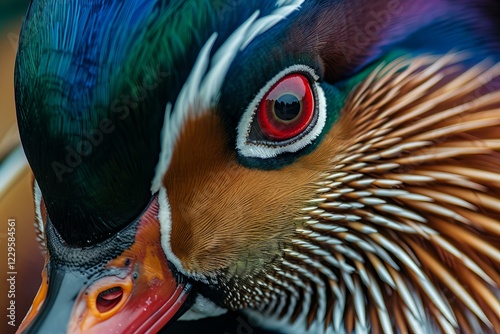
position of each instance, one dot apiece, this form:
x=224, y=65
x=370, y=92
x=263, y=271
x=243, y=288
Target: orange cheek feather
x=220, y=207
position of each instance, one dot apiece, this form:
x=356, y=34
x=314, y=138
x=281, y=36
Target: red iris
x=287, y=109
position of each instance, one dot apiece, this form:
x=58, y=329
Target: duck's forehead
x=99, y=41
x=77, y=61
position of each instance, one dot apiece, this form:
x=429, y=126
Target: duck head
x=317, y=163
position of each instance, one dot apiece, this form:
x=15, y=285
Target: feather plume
x=405, y=230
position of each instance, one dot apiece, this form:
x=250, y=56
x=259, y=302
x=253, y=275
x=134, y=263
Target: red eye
x=287, y=109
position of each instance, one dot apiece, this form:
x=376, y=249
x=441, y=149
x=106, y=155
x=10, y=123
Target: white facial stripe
x=202, y=88
x=265, y=23
x=39, y=226
x=38, y=211
x=260, y=150
x=200, y=92
x=165, y=218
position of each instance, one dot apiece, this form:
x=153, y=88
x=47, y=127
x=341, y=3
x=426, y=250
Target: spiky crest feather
x=404, y=233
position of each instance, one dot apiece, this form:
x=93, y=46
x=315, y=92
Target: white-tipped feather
x=202, y=88
x=407, y=202
x=436, y=298
x=394, y=182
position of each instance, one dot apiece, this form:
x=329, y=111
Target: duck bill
x=136, y=292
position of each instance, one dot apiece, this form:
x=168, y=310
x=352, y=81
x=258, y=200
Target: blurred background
x=16, y=200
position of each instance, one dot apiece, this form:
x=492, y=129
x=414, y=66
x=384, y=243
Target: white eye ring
x=265, y=150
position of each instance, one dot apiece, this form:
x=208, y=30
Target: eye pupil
x=287, y=107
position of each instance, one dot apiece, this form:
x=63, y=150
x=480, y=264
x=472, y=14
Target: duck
x=318, y=166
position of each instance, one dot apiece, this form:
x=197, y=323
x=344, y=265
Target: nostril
x=108, y=299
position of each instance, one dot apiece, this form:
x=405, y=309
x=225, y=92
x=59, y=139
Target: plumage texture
x=91, y=72
x=387, y=220
x=404, y=229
